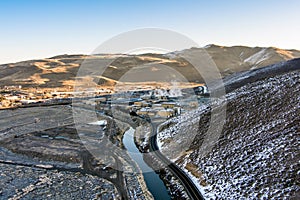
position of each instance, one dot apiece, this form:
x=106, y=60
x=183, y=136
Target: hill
x=257, y=154
x=60, y=71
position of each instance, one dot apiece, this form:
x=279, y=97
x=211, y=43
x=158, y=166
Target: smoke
x=174, y=90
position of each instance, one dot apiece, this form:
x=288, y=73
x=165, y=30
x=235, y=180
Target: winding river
x=153, y=182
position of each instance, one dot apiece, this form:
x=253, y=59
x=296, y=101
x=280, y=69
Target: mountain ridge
x=61, y=70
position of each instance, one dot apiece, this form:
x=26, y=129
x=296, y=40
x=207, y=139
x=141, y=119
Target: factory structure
x=152, y=103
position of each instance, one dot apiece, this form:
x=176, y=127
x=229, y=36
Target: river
x=153, y=182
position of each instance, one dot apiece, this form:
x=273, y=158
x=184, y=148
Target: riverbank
x=142, y=141
x=150, y=178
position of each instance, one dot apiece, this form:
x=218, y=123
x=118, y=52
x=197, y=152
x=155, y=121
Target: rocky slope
x=257, y=154
x=60, y=71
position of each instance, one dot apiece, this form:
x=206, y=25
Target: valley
x=55, y=131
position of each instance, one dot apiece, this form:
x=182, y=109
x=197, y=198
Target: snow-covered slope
x=257, y=155
x=258, y=57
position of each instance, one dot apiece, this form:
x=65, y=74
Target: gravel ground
x=21, y=182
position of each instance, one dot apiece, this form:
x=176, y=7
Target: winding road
x=188, y=184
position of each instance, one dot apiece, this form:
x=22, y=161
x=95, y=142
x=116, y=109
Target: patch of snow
x=99, y=123
x=258, y=57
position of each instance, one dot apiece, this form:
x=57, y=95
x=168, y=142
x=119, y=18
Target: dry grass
x=286, y=54
x=196, y=173
x=37, y=79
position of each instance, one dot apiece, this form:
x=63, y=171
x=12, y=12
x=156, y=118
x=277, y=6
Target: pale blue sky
x=38, y=29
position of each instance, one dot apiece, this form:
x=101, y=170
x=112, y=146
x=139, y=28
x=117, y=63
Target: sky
x=34, y=29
